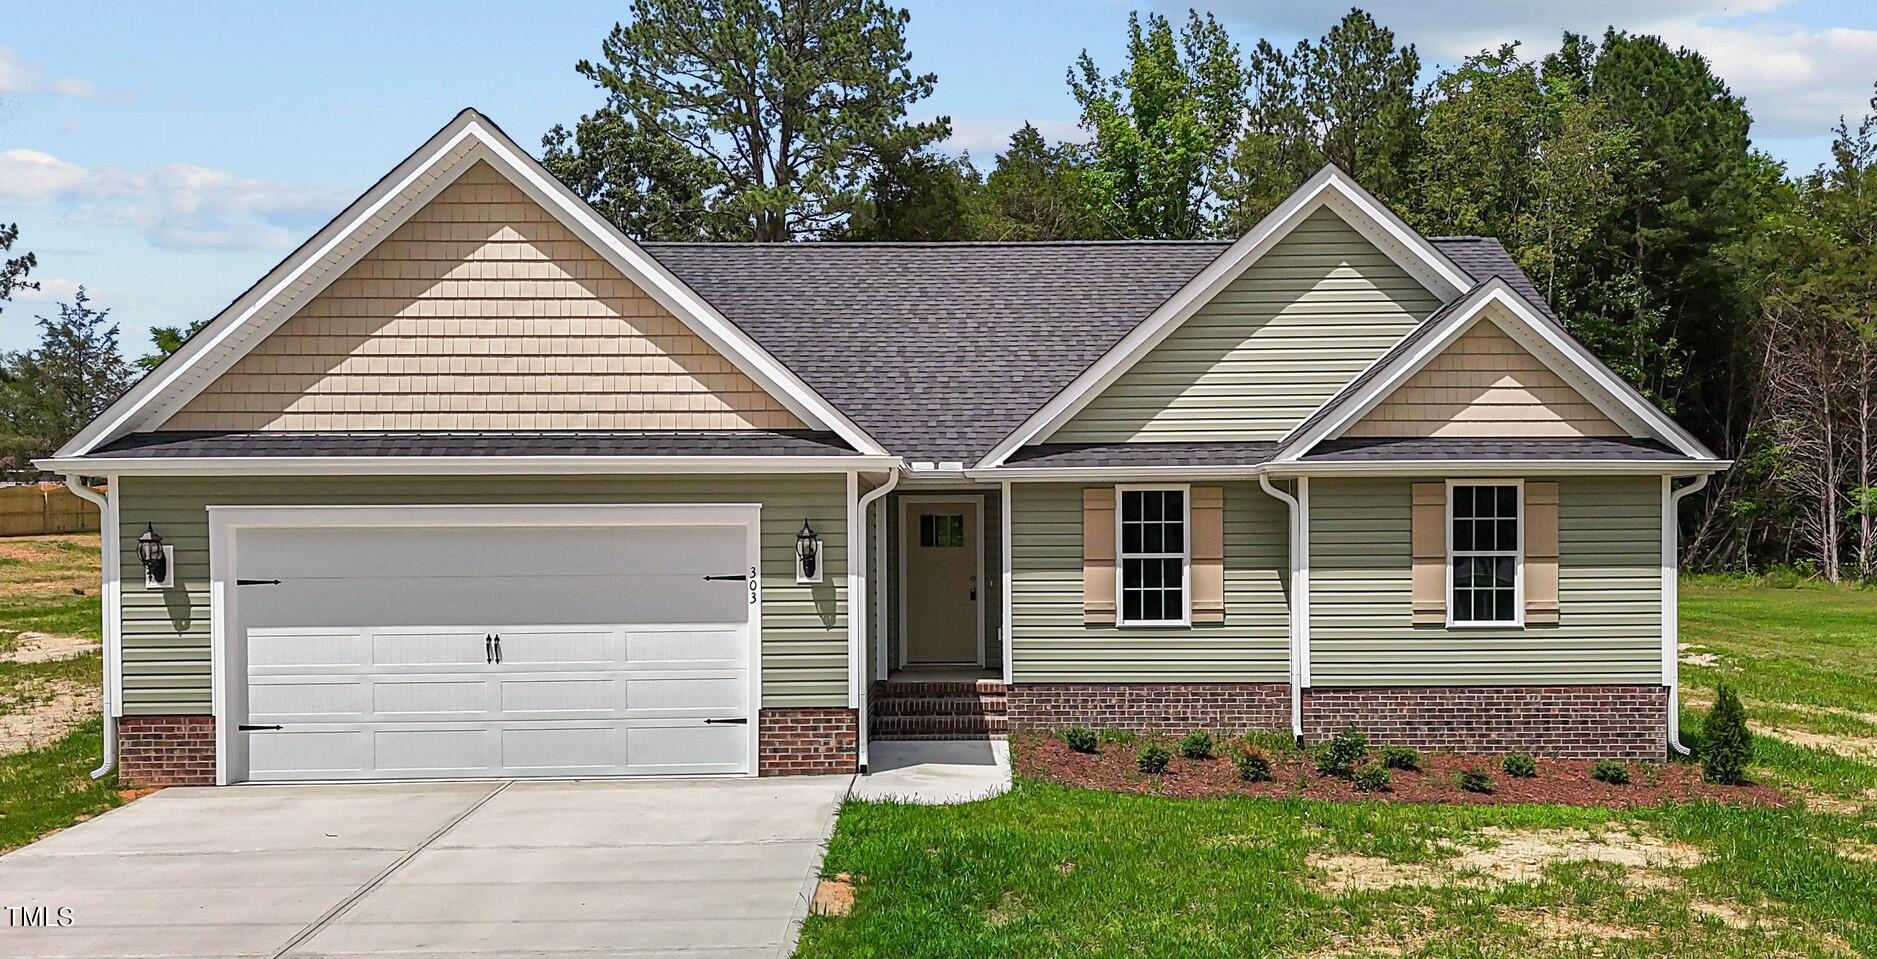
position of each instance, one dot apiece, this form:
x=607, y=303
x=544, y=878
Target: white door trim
x=977, y=498
x=225, y=521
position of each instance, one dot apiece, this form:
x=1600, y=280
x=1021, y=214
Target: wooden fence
x=42, y=508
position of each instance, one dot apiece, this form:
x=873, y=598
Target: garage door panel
x=481, y=604
x=652, y=646
x=309, y=753
x=427, y=648
x=560, y=694
x=413, y=697
x=431, y=750
x=561, y=750
x=300, y=648
x=684, y=696
x=319, y=700
x=684, y=749
x=571, y=647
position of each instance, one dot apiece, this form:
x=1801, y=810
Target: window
x=1153, y=554
x=941, y=530
x=1484, y=554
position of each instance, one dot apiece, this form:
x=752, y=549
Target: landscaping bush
x=1610, y=771
x=1253, y=767
x=1080, y=738
x=1520, y=765
x=1153, y=759
x=1401, y=757
x=1371, y=778
x=1196, y=745
x=1476, y=781
x=1726, y=745
x=1339, y=754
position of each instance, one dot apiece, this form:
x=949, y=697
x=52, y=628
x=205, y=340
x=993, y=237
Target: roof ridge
x=920, y=244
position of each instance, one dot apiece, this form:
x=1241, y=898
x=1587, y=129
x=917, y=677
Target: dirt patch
x=1565, y=926
x=51, y=711
x=1854, y=747
x=1558, y=781
x=833, y=897
x=45, y=648
x=1690, y=654
x=1506, y=856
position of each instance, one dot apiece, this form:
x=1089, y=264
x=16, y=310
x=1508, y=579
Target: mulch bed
x=1565, y=781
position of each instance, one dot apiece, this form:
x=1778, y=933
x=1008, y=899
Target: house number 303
x=752, y=585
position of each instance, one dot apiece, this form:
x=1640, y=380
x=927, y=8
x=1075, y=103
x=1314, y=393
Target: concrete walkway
x=935, y=772
x=715, y=868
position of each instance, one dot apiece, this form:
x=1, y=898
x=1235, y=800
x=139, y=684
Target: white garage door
x=392, y=652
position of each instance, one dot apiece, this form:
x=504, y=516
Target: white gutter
x=107, y=535
x=478, y=465
x=1671, y=601
x=1299, y=598
x=1472, y=467
x=858, y=600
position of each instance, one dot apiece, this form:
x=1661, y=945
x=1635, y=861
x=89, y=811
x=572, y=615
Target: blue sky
x=167, y=155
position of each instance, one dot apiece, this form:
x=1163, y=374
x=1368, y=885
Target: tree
x=49, y=393
x=14, y=269
x=753, y=119
x=1348, y=98
x=925, y=196
x=1162, y=127
x=1726, y=743
x=1038, y=192
x=166, y=340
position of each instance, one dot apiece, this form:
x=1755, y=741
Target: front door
x=942, y=620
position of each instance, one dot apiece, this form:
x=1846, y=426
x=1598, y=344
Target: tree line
x=1618, y=171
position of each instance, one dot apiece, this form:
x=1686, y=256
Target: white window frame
x=1518, y=559
x=1185, y=556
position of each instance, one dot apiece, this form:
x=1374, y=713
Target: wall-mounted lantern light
x=807, y=555
x=157, y=559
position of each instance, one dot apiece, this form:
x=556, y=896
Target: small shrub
x=1476, y=780
x=1520, y=765
x=1401, y=757
x=1080, y=738
x=1371, y=778
x=1726, y=745
x=1340, y=753
x=1153, y=759
x=1610, y=771
x=1196, y=745
x=1253, y=767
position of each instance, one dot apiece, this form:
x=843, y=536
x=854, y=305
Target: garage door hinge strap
x=739, y=721
x=738, y=577
x=257, y=582
x=249, y=727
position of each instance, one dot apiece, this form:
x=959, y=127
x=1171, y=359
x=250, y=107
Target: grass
x=1052, y=871
x=49, y=584
x=47, y=789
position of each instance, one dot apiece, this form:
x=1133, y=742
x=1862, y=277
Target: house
x=471, y=484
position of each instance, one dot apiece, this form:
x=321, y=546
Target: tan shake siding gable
x=1485, y=384
x=1281, y=339
x=1363, y=628
x=482, y=312
x=166, y=632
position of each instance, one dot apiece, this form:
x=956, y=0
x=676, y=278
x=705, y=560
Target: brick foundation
x=1573, y=722
x=1149, y=707
x=807, y=741
x=166, y=750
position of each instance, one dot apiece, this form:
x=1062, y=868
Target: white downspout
x=1671, y=601
x=107, y=537
x=1299, y=602
x=859, y=597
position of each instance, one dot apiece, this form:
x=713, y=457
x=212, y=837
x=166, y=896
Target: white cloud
x=56, y=289
x=985, y=137
x=178, y=206
x=19, y=76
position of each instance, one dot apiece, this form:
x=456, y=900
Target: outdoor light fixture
x=807, y=555
x=155, y=557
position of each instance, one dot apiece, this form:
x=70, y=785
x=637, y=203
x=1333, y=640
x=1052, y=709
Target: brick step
x=980, y=687
x=927, y=737
x=939, y=706
x=938, y=727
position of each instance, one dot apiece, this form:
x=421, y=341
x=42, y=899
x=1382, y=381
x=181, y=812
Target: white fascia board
x=1114, y=474
x=443, y=158
x=456, y=465
x=1424, y=467
x=1330, y=187
x=1551, y=345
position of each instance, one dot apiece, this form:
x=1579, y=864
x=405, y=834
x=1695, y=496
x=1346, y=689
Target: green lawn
x=1051, y=871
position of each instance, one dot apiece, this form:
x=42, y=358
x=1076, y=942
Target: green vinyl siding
x=166, y=632
x=1276, y=343
x=1053, y=645
x=1609, y=593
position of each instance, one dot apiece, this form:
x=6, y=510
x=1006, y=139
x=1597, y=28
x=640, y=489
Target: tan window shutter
x=1208, y=556
x=1098, y=555
x=1430, y=554
x=1541, y=554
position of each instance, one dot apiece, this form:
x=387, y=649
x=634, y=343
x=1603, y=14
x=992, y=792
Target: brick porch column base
x=166, y=750
x=806, y=741
x=1149, y=707
x=1570, y=722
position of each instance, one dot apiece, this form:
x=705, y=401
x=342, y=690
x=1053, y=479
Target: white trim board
x=470, y=465
x=1331, y=188
x=443, y=158
x=976, y=498
x=1560, y=353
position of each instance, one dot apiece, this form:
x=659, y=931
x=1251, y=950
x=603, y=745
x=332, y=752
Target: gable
x=1485, y=383
x=482, y=310
x=1271, y=346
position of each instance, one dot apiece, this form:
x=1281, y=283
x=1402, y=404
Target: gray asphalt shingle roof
x=1349, y=450
x=1073, y=455
x=940, y=350
x=484, y=443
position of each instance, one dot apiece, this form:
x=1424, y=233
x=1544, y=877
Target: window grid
x=1152, y=548
x=1484, y=549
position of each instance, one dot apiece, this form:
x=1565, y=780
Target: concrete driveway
x=695, y=868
